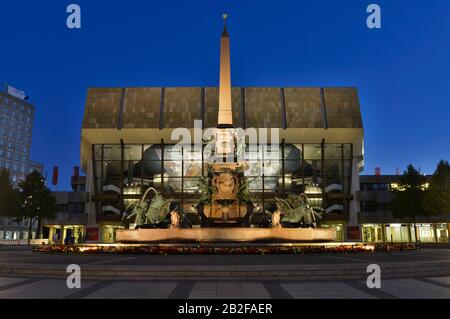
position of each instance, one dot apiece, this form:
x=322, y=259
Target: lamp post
x=30, y=225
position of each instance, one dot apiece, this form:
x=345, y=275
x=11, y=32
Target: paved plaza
x=24, y=255
x=37, y=288
x=42, y=287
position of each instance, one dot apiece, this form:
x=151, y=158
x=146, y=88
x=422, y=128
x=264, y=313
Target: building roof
x=259, y=107
x=25, y=103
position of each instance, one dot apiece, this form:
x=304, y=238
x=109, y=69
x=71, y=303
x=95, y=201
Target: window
x=370, y=187
x=426, y=233
x=368, y=206
x=75, y=208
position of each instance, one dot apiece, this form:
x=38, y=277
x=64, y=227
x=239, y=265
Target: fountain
x=225, y=208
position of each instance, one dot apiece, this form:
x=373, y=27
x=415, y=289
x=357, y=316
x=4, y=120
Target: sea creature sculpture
x=149, y=213
x=296, y=209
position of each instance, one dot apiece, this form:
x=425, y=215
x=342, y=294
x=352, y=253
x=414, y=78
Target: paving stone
x=414, y=289
x=445, y=280
x=4, y=281
x=324, y=290
x=134, y=290
x=204, y=290
x=42, y=289
x=254, y=290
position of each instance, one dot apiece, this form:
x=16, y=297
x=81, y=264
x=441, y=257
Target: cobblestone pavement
x=19, y=288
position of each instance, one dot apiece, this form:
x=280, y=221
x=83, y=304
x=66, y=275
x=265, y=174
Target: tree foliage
x=409, y=195
x=9, y=202
x=36, y=199
x=437, y=198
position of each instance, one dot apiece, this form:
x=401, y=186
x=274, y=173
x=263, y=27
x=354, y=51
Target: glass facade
x=65, y=234
x=109, y=233
x=400, y=233
x=405, y=233
x=373, y=233
x=442, y=233
x=122, y=173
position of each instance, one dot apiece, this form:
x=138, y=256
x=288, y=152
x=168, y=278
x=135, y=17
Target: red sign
x=55, y=175
x=353, y=233
x=377, y=174
x=92, y=233
x=377, y=171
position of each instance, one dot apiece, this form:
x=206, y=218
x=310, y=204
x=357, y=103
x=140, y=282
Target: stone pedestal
x=225, y=206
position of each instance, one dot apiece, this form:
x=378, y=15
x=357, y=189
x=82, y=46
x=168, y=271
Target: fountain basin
x=217, y=235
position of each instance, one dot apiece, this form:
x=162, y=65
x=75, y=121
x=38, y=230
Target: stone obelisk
x=225, y=118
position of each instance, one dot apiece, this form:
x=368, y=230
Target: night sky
x=402, y=71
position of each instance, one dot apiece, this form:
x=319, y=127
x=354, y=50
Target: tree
x=437, y=196
x=9, y=204
x=407, y=202
x=36, y=200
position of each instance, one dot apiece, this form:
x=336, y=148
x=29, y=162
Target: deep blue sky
x=402, y=71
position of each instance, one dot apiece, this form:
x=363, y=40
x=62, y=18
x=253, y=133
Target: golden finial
x=225, y=17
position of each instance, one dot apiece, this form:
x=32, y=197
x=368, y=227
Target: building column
x=61, y=239
x=409, y=233
x=89, y=206
x=354, y=208
x=448, y=232
x=435, y=233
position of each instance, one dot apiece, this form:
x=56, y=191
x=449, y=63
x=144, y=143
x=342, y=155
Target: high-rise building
x=16, y=124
